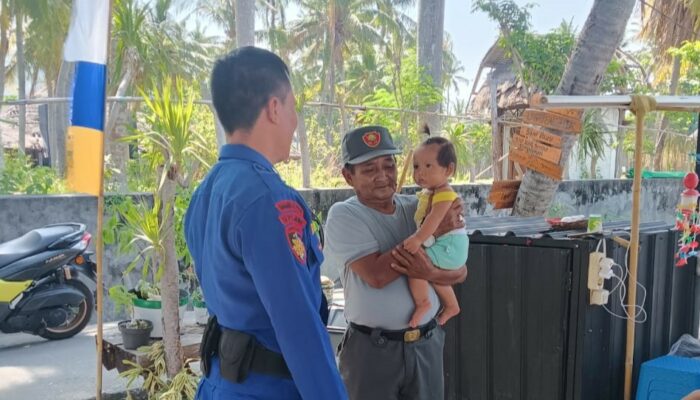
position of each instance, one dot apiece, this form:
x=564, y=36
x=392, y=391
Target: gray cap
x=365, y=143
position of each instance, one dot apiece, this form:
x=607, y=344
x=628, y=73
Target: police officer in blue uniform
x=254, y=251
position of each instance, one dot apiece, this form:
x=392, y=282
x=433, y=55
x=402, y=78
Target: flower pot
x=135, y=337
x=201, y=314
x=151, y=310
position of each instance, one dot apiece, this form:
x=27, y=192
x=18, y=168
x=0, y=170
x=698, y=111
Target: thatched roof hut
x=9, y=126
x=510, y=92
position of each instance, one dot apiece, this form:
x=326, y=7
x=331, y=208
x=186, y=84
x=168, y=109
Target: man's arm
x=375, y=269
x=419, y=266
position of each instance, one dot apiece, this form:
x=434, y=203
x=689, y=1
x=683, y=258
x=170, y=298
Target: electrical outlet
x=595, y=281
x=606, y=265
x=599, y=296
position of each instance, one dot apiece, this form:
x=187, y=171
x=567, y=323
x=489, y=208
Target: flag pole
x=99, y=251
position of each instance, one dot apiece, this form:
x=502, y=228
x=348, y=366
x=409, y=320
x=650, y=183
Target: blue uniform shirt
x=258, y=263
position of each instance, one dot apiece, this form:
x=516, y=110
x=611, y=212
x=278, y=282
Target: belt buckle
x=411, y=335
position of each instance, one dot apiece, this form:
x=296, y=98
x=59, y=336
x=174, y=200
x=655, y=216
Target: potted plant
x=201, y=315
x=147, y=305
x=135, y=331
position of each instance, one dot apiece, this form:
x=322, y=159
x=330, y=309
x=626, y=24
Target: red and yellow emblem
x=291, y=215
x=372, y=138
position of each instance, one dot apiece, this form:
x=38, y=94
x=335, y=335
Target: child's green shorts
x=449, y=251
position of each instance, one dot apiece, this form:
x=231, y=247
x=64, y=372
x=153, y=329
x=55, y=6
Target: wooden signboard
x=503, y=194
x=567, y=112
x=551, y=120
x=541, y=136
x=537, y=149
x=550, y=169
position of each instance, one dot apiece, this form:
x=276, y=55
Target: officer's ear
x=273, y=109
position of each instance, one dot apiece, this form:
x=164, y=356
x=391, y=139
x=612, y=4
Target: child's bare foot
x=448, y=312
x=418, y=314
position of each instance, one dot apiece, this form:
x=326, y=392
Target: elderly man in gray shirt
x=380, y=356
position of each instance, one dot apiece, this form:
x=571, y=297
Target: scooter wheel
x=81, y=316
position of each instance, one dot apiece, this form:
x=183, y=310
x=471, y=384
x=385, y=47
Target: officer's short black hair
x=243, y=81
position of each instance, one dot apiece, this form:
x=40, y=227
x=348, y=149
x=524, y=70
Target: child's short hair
x=446, y=152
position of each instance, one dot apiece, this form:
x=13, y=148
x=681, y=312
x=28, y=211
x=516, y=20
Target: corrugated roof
x=537, y=227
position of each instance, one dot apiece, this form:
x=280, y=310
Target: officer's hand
x=416, y=265
x=453, y=219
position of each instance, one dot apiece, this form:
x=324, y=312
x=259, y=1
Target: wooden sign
x=541, y=136
x=551, y=120
x=550, y=169
x=503, y=194
x=537, y=149
x=567, y=112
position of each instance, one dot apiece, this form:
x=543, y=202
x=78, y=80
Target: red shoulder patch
x=291, y=215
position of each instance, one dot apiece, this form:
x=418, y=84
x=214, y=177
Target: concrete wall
x=611, y=198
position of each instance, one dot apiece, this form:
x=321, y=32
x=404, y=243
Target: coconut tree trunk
x=245, y=22
x=431, y=21
x=305, y=152
x=661, y=136
x=594, y=49
x=21, y=78
x=4, y=46
x=117, y=126
x=594, y=164
x=169, y=289
x=220, y=133
x=496, y=136
x=59, y=118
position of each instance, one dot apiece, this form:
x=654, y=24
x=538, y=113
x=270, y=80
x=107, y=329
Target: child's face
x=427, y=173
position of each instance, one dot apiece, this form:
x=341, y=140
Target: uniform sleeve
x=272, y=243
x=347, y=239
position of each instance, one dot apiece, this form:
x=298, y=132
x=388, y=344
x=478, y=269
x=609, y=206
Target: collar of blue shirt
x=243, y=152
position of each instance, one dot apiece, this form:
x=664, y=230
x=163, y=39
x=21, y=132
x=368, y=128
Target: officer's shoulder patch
x=291, y=215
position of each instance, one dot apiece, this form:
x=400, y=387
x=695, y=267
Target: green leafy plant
x=155, y=382
x=21, y=176
x=124, y=299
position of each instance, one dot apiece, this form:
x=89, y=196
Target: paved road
x=35, y=368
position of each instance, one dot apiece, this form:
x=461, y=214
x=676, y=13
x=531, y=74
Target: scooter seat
x=31, y=243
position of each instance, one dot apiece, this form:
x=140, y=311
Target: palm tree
x=667, y=24
x=5, y=22
x=329, y=33
x=431, y=21
x=594, y=49
x=245, y=22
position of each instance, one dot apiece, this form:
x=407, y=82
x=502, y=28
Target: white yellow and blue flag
x=86, y=45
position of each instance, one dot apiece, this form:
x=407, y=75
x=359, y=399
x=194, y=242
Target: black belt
x=239, y=354
x=404, y=335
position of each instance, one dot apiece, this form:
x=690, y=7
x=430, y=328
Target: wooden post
x=634, y=256
x=404, y=170
x=99, y=244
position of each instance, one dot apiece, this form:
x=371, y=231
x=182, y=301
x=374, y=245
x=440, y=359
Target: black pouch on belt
x=236, y=354
x=210, y=344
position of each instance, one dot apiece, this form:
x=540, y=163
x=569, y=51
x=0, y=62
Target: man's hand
x=419, y=266
x=416, y=265
x=453, y=220
x=412, y=244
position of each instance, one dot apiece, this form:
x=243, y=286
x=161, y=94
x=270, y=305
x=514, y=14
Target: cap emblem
x=372, y=138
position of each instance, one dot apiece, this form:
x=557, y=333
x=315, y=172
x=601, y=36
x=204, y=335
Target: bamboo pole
x=404, y=170
x=99, y=251
x=634, y=256
x=667, y=103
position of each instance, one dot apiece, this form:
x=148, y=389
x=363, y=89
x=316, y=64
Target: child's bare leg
x=450, y=307
x=419, y=291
